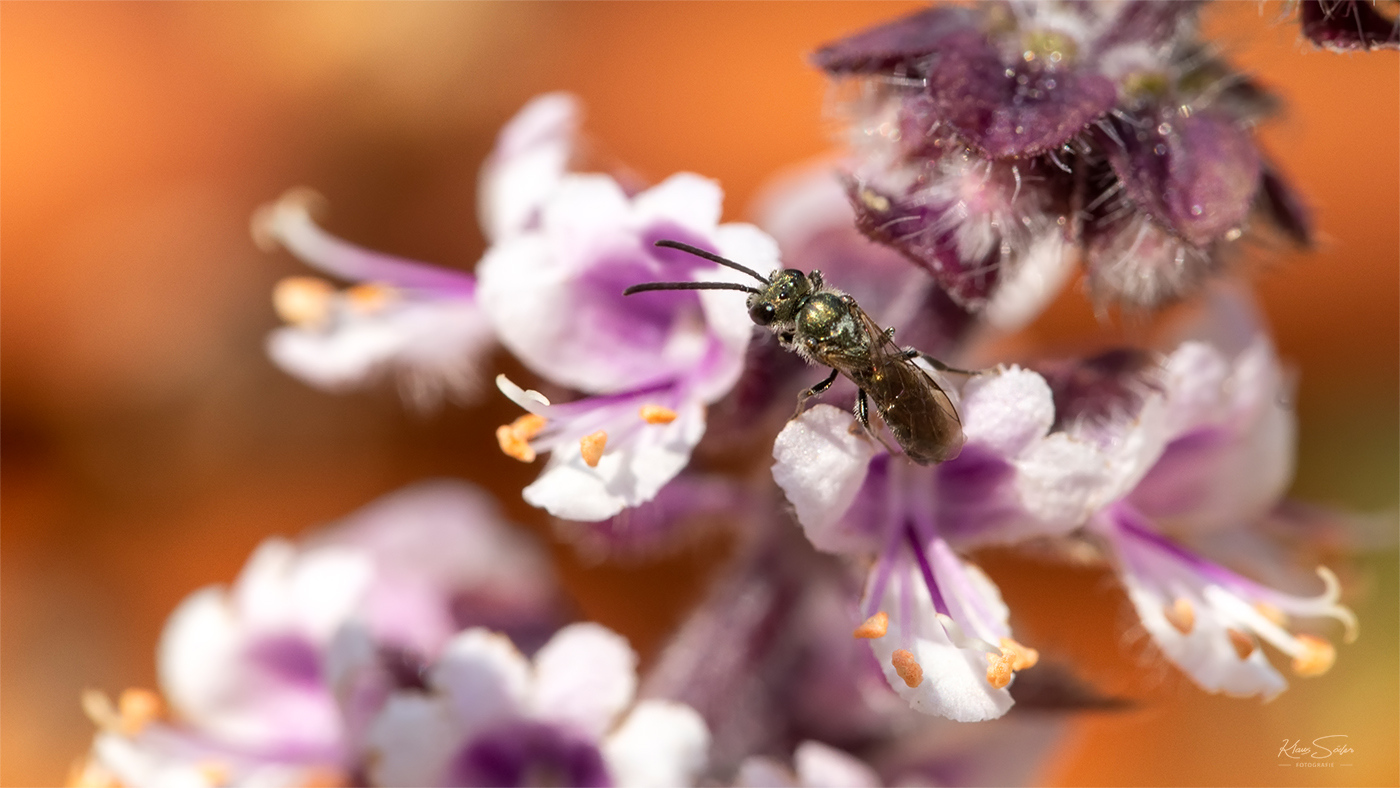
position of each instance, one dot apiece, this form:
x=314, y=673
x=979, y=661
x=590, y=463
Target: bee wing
x=886, y=353
x=912, y=404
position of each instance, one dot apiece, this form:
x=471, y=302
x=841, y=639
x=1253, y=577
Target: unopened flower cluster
x=989, y=151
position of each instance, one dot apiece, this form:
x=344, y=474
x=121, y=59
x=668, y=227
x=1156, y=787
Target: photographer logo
x=1320, y=753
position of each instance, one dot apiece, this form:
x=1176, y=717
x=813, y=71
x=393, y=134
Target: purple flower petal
x=920, y=232
x=290, y=657
x=529, y=753
x=1018, y=109
x=1342, y=25
x=887, y=47
x=1196, y=174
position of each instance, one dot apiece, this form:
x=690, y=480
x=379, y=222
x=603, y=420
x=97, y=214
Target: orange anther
x=512, y=445
x=1181, y=615
x=1022, y=657
x=999, y=668
x=303, y=300
x=1243, y=643
x=591, y=447
x=1317, y=657
x=514, y=438
x=213, y=772
x=655, y=414
x=907, y=667
x=874, y=627
x=370, y=297
x=137, y=709
x=528, y=426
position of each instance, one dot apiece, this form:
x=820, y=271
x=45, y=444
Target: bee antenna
x=714, y=258
x=689, y=286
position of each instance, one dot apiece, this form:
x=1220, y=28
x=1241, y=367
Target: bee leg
x=814, y=391
x=889, y=333
x=863, y=418
x=939, y=365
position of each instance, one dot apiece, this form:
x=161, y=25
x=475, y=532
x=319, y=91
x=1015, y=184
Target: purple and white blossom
x=531, y=156
x=651, y=363
x=1219, y=457
x=990, y=148
x=260, y=668
x=1014, y=478
x=417, y=323
x=995, y=138
x=492, y=718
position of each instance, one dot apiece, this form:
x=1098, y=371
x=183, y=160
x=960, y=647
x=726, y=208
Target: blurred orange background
x=148, y=444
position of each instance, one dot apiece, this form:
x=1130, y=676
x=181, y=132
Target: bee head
x=779, y=302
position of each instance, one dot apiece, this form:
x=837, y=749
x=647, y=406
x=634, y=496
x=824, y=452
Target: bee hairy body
x=826, y=327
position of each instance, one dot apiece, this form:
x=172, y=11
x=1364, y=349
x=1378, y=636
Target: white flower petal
x=195, y=651
x=685, y=198
x=631, y=471
x=1205, y=654
x=483, y=679
x=762, y=772
x=585, y=676
x=954, y=666
x=327, y=587
x=660, y=744
x=412, y=741
x=821, y=462
x=1236, y=456
x=1007, y=410
x=1194, y=379
x=208, y=676
x=432, y=347
x=1134, y=450
x=955, y=680
x=1058, y=480
x=820, y=766
x=259, y=593
x=530, y=158
x=575, y=212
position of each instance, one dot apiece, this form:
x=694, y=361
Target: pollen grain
x=514, y=438
x=999, y=668
x=1022, y=656
x=874, y=627
x=1243, y=643
x=137, y=709
x=1181, y=615
x=907, y=667
x=303, y=300
x=370, y=297
x=656, y=414
x=1317, y=657
x=591, y=447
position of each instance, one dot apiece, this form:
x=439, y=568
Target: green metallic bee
x=826, y=327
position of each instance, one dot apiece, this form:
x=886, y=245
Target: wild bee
x=825, y=327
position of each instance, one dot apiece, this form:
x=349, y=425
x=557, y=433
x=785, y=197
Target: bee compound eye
x=762, y=313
